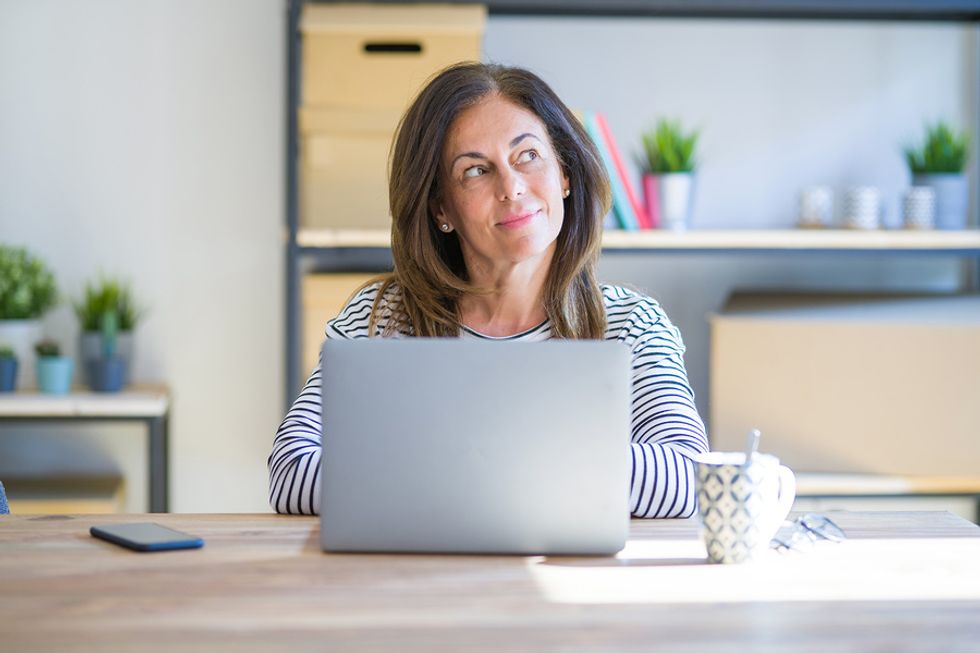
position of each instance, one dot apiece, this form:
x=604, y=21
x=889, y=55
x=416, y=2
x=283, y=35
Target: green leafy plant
x=104, y=296
x=109, y=328
x=27, y=287
x=6, y=352
x=47, y=349
x=944, y=151
x=669, y=148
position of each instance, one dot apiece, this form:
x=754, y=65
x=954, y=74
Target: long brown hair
x=429, y=270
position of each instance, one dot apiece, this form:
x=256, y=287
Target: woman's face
x=503, y=185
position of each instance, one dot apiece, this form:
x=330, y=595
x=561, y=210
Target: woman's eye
x=527, y=155
x=474, y=171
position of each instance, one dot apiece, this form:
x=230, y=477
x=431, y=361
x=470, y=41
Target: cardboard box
x=864, y=384
x=344, y=168
x=378, y=56
x=323, y=297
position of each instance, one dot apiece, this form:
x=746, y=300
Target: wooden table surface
x=902, y=581
x=143, y=400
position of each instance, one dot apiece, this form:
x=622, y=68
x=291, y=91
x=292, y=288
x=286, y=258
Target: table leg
x=159, y=446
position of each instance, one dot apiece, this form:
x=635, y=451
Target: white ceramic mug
x=816, y=206
x=741, y=505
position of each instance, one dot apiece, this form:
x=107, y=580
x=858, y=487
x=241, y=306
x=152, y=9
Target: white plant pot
x=676, y=193
x=21, y=336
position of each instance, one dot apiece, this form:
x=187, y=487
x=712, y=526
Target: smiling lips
x=517, y=220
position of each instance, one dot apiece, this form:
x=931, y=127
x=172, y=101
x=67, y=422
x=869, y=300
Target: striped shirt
x=666, y=428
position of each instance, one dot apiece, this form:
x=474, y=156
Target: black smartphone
x=146, y=536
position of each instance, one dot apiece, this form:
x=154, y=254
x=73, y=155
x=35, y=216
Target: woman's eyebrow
x=479, y=155
x=520, y=138
x=467, y=155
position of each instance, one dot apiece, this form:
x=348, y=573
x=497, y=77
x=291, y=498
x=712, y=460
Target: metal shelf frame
x=301, y=259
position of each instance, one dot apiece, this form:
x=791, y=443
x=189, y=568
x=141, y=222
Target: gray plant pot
x=90, y=348
x=952, y=192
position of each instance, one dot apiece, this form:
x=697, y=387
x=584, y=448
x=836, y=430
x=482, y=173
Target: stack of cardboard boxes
x=362, y=66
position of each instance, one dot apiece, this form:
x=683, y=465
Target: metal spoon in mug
x=751, y=444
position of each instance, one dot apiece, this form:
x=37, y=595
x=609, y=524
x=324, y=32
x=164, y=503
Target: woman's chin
x=530, y=247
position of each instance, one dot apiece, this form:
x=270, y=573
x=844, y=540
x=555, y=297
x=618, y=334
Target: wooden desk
x=903, y=581
x=149, y=405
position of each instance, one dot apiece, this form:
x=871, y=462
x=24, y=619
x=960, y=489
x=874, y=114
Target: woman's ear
x=443, y=223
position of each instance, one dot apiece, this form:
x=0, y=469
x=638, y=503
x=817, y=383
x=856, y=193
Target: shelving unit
x=336, y=250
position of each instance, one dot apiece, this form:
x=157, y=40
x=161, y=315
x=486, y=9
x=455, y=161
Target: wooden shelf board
x=827, y=484
x=785, y=239
x=138, y=401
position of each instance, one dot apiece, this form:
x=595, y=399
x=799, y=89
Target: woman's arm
x=294, y=464
x=667, y=429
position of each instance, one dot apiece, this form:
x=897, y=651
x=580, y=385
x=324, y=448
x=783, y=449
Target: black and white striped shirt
x=667, y=429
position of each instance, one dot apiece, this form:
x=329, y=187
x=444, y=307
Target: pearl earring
x=445, y=227
x=568, y=191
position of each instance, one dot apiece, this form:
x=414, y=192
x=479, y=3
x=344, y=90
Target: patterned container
x=919, y=208
x=741, y=505
x=862, y=208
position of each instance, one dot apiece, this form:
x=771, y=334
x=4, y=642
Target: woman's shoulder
x=354, y=319
x=630, y=313
x=621, y=301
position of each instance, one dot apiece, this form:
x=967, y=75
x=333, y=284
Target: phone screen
x=146, y=536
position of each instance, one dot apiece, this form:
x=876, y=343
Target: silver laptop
x=470, y=446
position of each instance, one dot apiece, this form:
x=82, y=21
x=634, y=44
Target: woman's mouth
x=518, y=220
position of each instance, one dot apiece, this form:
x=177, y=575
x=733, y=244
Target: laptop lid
x=470, y=446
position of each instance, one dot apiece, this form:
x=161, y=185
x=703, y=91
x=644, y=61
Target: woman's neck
x=515, y=302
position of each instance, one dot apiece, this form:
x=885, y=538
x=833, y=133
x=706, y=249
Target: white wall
x=146, y=140
x=782, y=105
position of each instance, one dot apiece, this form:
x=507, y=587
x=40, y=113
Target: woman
x=497, y=197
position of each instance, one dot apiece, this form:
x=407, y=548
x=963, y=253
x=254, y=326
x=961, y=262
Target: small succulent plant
x=47, y=349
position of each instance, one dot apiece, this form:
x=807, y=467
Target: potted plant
x=668, y=167
x=940, y=164
x=53, y=369
x=8, y=369
x=107, y=372
x=27, y=290
x=102, y=297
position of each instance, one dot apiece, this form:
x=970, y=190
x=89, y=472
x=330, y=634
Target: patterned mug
x=741, y=505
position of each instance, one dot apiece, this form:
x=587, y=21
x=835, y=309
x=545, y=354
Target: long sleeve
x=294, y=464
x=667, y=430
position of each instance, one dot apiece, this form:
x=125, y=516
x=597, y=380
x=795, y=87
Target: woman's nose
x=512, y=185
